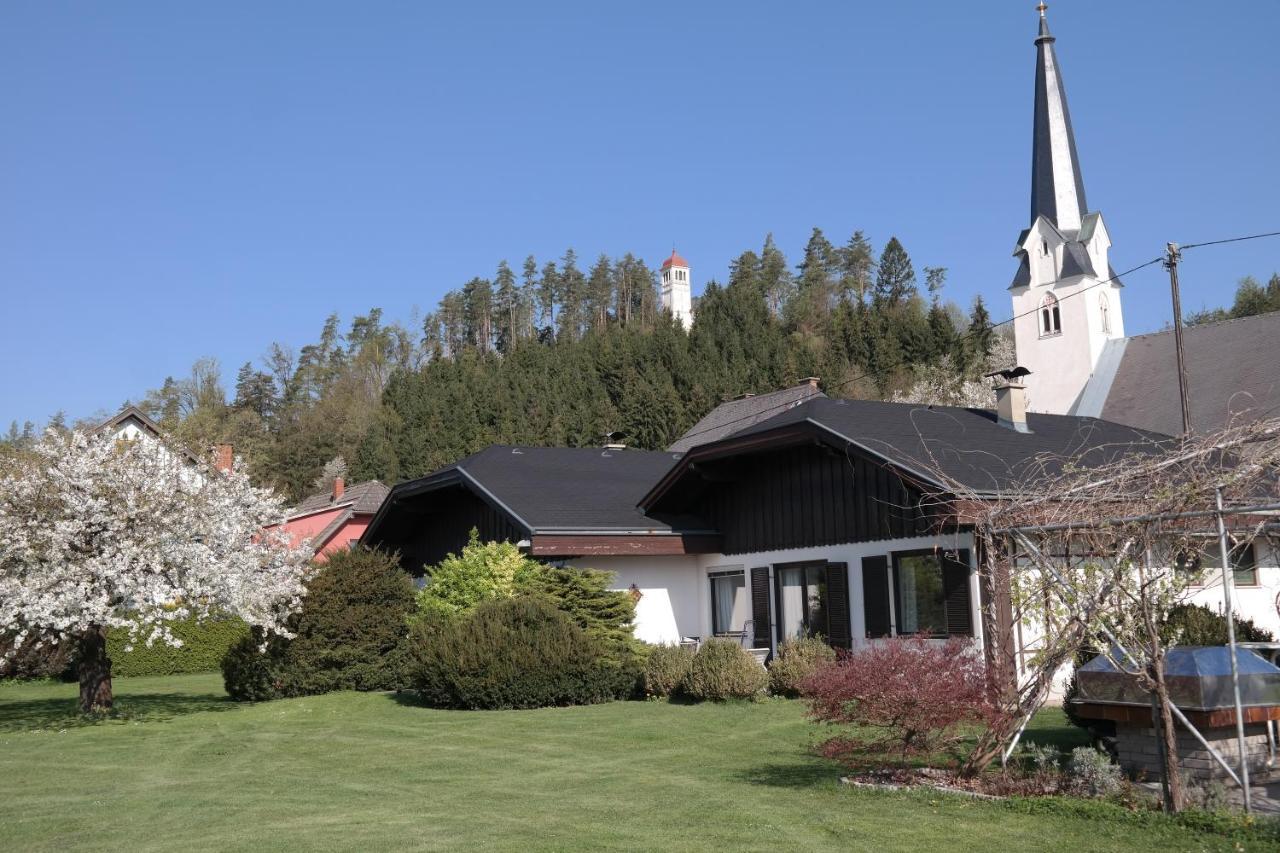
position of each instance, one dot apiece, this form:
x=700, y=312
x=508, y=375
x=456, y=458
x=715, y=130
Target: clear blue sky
x=188, y=179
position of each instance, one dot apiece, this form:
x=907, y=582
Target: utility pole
x=1172, y=255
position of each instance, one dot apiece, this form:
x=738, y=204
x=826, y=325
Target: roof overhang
x=599, y=543
x=451, y=477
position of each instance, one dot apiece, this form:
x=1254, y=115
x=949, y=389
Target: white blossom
x=97, y=532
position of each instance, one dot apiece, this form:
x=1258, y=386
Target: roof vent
x=745, y=396
x=1011, y=397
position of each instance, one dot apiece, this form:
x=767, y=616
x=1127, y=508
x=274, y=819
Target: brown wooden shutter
x=760, y=607
x=839, y=626
x=875, y=596
x=955, y=589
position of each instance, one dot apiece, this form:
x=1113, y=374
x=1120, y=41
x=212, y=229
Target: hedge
x=202, y=649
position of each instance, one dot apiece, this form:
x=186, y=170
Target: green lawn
x=187, y=769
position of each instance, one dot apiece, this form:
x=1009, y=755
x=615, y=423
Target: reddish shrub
x=907, y=695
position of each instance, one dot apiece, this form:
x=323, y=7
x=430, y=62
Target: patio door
x=813, y=600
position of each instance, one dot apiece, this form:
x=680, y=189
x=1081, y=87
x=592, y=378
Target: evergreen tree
x=895, y=277
x=506, y=307
x=857, y=263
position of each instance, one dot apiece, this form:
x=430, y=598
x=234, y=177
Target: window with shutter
x=760, y=607
x=875, y=596
x=839, y=626
x=955, y=586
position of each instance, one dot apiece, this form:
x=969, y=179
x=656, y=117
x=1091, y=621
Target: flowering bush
x=908, y=695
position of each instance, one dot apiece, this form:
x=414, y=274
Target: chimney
x=812, y=382
x=224, y=457
x=1011, y=398
x=613, y=441
x=339, y=486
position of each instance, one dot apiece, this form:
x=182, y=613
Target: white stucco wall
x=676, y=591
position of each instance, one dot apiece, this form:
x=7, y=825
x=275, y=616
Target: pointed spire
x=1057, y=189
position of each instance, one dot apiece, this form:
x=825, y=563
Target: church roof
x=1057, y=188
x=1230, y=375
x=674, y=261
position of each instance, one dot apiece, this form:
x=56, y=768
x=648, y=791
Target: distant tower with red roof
x=677, y=289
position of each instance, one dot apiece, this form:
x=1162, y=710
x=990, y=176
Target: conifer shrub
x=519, y=652
x=721, y=669
x=797, y=660
x=349, y=635
x=666, y=670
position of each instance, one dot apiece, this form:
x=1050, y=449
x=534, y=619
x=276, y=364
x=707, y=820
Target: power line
x=1231, y=240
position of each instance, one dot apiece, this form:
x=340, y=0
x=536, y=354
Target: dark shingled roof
x=1231, y=373
x=967, y=446
x=363, y=498
x=736, y=415
x=553, y=489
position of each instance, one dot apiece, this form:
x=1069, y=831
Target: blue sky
x=186, y=180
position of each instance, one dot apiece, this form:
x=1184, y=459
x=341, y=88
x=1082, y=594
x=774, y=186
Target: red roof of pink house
x=674, y=261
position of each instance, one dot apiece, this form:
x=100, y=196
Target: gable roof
x=1231, y=373
x=937, y=444
x=362, y=498
x=743, y=413
x=556, y=489
x=126, y=414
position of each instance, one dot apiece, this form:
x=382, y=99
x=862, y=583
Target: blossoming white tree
x=98, y=534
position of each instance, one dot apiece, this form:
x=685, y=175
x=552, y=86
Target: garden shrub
x=1197, y=625
x=511, y=653
x=797, y=660
x=605, y=614
x=721, y=669
x=349, y=634
x=908, y=695
x=484, y=571
x=666, y=669
x=204, y=644
x=1091, y=772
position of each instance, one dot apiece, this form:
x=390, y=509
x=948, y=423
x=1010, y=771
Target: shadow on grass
x=813, y=773
x=63, y=713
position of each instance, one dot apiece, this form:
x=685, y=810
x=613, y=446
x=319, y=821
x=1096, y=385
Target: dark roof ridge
x=1210, y=324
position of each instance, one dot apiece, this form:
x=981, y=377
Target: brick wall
x=1140, y=752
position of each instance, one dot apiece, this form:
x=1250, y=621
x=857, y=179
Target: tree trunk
x=95, y=672
x=1173, y=769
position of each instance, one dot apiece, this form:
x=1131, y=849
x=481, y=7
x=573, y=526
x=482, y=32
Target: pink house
x=336, y=518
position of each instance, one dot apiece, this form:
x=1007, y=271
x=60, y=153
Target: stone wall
x=1140, y=751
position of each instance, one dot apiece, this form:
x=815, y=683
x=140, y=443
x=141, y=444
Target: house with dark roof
x=744, y=411
x=337, y=517
x=822, y=519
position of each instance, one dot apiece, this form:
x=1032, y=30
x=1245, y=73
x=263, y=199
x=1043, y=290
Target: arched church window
x=1050, y=317
x=1104, y=308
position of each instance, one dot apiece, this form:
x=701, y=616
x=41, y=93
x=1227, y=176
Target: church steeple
x=1057, y=189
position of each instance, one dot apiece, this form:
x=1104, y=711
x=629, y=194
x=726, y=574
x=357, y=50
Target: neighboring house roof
x=745, y=412
x=674, y=261
x=127, y=414
x=362, y=498
x=1231, y=374
x=939, y=445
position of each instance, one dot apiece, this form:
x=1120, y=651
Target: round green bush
x=797, y=660
x=666, y=669
x=722, y=669
x=349, y=634
x=1197, y=625
x=512, y=653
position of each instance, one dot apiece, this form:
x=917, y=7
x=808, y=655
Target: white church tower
x=1065, y=313
x=677, y=290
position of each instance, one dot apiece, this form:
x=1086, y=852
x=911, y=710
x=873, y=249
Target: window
x=802, y=600
x=1104, y=307
x=1044, y=248
x=918, y=594
x=1050, y=317
x=1206, y=566
x=729, y=604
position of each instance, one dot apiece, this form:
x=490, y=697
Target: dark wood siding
x=430, y=527
x=805, y=496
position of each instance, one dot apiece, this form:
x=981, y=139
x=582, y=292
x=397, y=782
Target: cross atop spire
x=1057, y=188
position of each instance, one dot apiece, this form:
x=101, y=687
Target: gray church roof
x=1231, y=373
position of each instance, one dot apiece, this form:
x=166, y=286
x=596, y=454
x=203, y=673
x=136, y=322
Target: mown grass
x=184, y=768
